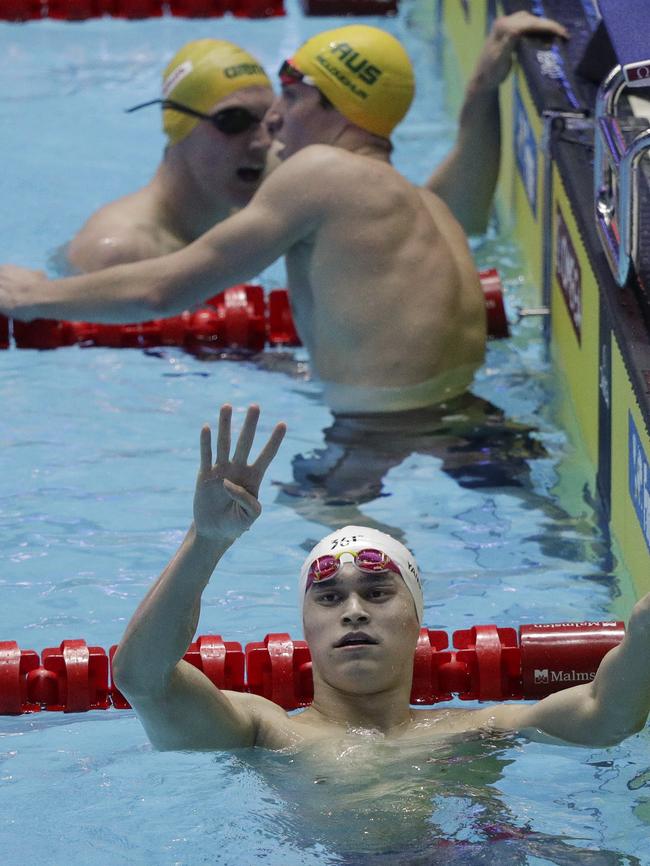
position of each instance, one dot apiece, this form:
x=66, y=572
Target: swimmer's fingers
x=548, y=27
x=269, y=451
x=520, y=24
x=248, y=503
x=223, y=434
x=205, y=445
x=495, y=61
x=246, y=435
x=19, y=288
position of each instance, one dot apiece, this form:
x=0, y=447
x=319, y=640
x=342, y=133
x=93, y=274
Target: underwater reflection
x=371, y=801
x=478, y=446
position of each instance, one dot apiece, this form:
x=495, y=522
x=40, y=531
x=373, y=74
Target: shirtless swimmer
x=214, y=98
x=383, y=288
x=362, y=610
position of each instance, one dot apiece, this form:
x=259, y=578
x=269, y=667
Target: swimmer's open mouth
x=250, y=175
x=356, y=638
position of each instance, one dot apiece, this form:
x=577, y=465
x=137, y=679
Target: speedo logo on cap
x=360, y=66
x=174, y=78
x=243, y=69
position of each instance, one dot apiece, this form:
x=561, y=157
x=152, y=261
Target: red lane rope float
x=486, y=663
x=242, y=317
x=79, y=10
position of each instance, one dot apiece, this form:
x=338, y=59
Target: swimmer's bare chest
x=310, y=734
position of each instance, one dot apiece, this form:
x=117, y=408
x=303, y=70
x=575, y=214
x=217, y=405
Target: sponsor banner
x=547, y=676
x=525, y=147
x=578, y=625
x=639, y=478
x=568, y=273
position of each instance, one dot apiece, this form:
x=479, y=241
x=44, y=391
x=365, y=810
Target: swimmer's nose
x=273, y=118
x=262, y=138
x=354, y=612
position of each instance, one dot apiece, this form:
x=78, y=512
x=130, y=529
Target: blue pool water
x=99, y=452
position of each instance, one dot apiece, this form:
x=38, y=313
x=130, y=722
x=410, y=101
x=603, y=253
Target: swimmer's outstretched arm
x=601, y=713
x=467, y=178
x=178, y=706
x=280, y=214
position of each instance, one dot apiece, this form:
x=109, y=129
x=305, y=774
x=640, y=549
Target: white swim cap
x=352, y=539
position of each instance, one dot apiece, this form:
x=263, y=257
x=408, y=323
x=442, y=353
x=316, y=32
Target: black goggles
x=230, y=121
x=289, y=74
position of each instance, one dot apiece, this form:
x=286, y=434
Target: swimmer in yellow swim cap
x=364, y=72
x=214, y=98
x=384, y=290
x=200, y=76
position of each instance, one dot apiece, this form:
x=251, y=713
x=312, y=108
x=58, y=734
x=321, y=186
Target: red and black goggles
x=290, y=74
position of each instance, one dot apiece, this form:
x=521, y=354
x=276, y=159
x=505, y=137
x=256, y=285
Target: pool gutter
x=598, y=331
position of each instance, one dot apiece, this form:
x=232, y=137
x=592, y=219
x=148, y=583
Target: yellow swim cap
x=364, y=72
x=200, y=75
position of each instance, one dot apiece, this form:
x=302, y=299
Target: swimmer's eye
x=380, y=592
x=327, y=597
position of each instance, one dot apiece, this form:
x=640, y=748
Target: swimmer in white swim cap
x=362, y=612
x=213, y=100
x=370, y=551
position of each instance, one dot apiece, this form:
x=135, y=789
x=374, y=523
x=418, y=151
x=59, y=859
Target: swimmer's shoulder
x=338, y=179
x=309, y=184
x=274, y=728
x=120, y=232
x=325, y=165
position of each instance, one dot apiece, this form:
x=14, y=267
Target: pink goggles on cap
x=370, y=560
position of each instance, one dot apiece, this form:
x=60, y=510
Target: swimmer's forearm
x=230, y=253
x=165, y=622
x=132, y=292
x=480, y=121
x=602, y=713
x=467, y=178
x=121, y=294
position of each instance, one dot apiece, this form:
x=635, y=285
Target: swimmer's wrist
x=213, y=541
x=480, y=87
